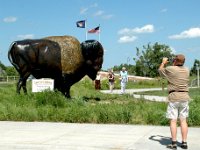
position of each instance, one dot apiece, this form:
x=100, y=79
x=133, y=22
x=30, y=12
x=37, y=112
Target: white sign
x=39, y=85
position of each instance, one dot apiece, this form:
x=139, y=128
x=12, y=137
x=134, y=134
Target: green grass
x=86, y=106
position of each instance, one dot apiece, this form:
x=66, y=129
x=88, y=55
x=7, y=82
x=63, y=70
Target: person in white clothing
x=124, y=79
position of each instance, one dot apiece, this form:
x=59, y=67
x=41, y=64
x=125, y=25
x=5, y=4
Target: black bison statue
x=62, y=58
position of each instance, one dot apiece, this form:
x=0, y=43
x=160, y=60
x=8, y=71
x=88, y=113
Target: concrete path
x=147, y=97
x=138, y=96
x=131, y=91
x=73, y=136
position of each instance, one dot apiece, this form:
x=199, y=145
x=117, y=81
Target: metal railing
x=9, y=78
x=194, y=82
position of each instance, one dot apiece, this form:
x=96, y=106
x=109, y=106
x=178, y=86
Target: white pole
x=99, y=36
x=99, y=33
x=85, y=29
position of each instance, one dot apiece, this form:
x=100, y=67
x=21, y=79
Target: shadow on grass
x=85, y=98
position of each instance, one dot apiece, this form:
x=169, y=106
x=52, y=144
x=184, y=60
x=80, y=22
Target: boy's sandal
x=172, y=146
x=184, y=145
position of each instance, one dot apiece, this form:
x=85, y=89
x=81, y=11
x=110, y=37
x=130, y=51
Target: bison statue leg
x=22, y=83
x=66, y=92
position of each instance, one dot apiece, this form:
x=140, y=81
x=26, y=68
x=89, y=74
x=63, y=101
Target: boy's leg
x=184, y=132
x=172, y=114
x=184, y=112
x=184, y=129
x=173, y=129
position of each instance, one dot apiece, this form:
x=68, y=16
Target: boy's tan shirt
x=178, y=80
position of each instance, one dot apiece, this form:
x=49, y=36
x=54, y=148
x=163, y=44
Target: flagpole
x=99, y=32
x=85, y=29
x=99, y=36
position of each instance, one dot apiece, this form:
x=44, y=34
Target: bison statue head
x=92, y=52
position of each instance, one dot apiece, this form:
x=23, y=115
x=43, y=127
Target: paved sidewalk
x=147, y=97
x=131, y=91
x=73, y=136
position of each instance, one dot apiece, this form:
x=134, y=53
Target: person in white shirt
x=124, y=79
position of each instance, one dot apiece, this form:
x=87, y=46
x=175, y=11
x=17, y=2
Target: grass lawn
x=86, y=106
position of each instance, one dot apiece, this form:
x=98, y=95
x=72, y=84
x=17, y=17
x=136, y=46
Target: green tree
x=2, y=66
x=149, y=58
x=193, y=70
x=11, y=71
x=2, y=69
x=7, y=70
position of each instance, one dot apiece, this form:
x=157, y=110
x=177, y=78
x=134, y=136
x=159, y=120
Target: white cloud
x=145, y=29
x=124, y=31
x=191, y=33
x=99, y=13
x=127, y=39
x=94, y=5
x=107, y=16
x=83, y=11
x=10, y=19
x=102, y=14
x=26, y=36
x=173, y=50
x=128, y=34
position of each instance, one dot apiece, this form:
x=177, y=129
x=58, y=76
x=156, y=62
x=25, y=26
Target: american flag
x=94, y=30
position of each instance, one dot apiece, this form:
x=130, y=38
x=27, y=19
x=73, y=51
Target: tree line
x=7, y=70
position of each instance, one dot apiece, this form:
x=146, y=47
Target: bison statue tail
x=10, y=55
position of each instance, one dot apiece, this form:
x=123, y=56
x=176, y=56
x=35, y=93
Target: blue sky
x=124, y=25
